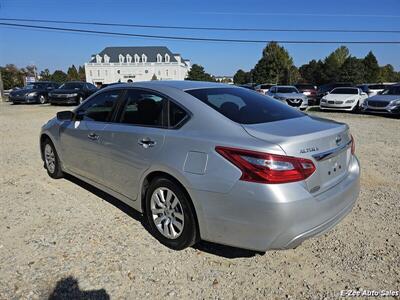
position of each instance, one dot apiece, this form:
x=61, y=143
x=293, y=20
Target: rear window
x=244, y=106
x=345, y=91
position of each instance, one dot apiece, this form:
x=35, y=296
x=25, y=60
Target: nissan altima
x=208, y=161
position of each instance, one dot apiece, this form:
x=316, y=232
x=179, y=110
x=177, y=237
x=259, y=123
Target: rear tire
x=170, y=215
x=51, y=160
x=42, y=99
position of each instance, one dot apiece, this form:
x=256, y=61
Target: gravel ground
x=65, y=239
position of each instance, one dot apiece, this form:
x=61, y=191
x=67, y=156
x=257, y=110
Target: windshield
x=286, y=89
x=394, y=90
x=72, y=86
x=35, y=86
x=345, y=91
x=305, y=86
x=244, y=106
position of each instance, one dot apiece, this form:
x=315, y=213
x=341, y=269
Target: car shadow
x=209, y=247
x=68, y=288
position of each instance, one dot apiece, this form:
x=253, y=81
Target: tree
x=352, y=70
x=154, y=77
x=197, y=73
x=371, y=66
x=241, y=77
x=313, y=72
x=45, y=75
x=388, y=74
x=12, y=76
x=333, y=62
x=59, y=76
x=72, y=73
x=82, y=73
x=274, y=66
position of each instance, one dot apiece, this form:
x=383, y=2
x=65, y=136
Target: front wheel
x=356, y=108
x=51, y=160
x=42, y=99
x=170, y=215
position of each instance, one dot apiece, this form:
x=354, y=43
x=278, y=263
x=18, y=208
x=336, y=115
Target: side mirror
x=65, y=115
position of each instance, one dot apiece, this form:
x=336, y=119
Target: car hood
x=384, y=97
x=290, y=95
x=62, y=91
x=340, y=96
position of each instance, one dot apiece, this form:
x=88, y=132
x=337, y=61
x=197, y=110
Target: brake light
x=267, y=168
x=353, y=145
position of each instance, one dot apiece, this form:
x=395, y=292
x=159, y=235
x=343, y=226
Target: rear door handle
x=147, y=143
x=93, y=136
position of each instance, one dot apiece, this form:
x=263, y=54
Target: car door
x=133, y=144
x=81, y=139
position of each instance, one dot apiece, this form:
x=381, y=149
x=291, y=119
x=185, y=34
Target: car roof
x=285, y=86
x=178, y=84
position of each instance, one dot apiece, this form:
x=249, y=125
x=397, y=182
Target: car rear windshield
x=286, y=89
x=394, y=90
x=265, y=86
x=345, y=91
x=245, y=106
x=72, y=86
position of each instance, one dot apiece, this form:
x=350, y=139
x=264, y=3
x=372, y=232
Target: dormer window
x=106, y=58
x=121, y=58
x=167, y=58
x=144, y=58
x=137, y=58
x=159, y=58
x=98, y=58
x=128, y=58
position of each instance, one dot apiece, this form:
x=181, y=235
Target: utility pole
x=1, y=89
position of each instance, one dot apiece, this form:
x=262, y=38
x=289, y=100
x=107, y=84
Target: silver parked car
x=387, y=102
x=209, y=161
x=290, y=95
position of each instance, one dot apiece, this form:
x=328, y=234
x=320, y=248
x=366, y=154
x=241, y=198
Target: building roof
x=150, y=51
x=177, y=84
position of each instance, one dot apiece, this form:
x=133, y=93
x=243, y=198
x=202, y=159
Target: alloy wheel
x=42, y=99
x=167, y=213
x=49, y=158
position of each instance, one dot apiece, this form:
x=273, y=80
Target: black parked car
x=72, y=92
x=324, y=89
x=36, y=92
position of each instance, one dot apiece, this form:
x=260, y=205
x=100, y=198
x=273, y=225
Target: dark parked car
x=324, y=89
x=309, y=90
x=72, y=92
x=36, y=92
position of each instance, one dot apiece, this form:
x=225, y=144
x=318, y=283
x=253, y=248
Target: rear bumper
x=261, y=217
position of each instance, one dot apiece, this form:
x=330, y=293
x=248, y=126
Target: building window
x=106, y=72
x=144, y=58
x=146, y=71
x=137, y=58
x=175, y=72
x=159, y=73
x=106, y=58
x=121, y=58
x=159, y=58
x=128, y=58
x=166, y=72
x=91, y=73
x=98, y=58
x=119, y=71
x=98, y=73
x=167, y=58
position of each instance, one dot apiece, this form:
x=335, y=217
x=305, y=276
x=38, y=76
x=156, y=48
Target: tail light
x=353, y=145
x=267, y=168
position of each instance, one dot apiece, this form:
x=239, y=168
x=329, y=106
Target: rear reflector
x=267, y=168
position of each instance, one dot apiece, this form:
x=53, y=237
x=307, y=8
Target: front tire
x=356, y=108
x=42, y=99
x=170, y=215
x=51, y=160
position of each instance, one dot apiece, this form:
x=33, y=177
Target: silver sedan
x=209, y=161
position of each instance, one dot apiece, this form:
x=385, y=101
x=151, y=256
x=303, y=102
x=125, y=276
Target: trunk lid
x=325, y=142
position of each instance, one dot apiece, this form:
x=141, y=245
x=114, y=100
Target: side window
x=272, y=90
x=144, y=108
x=100, y=108
x=176, y=114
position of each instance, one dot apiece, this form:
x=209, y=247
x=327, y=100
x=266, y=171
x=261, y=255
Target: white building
x=129, y=64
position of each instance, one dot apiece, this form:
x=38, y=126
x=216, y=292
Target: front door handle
x=147, y=143
x=93, y=136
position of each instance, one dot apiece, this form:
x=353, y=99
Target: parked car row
x=72, y=92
